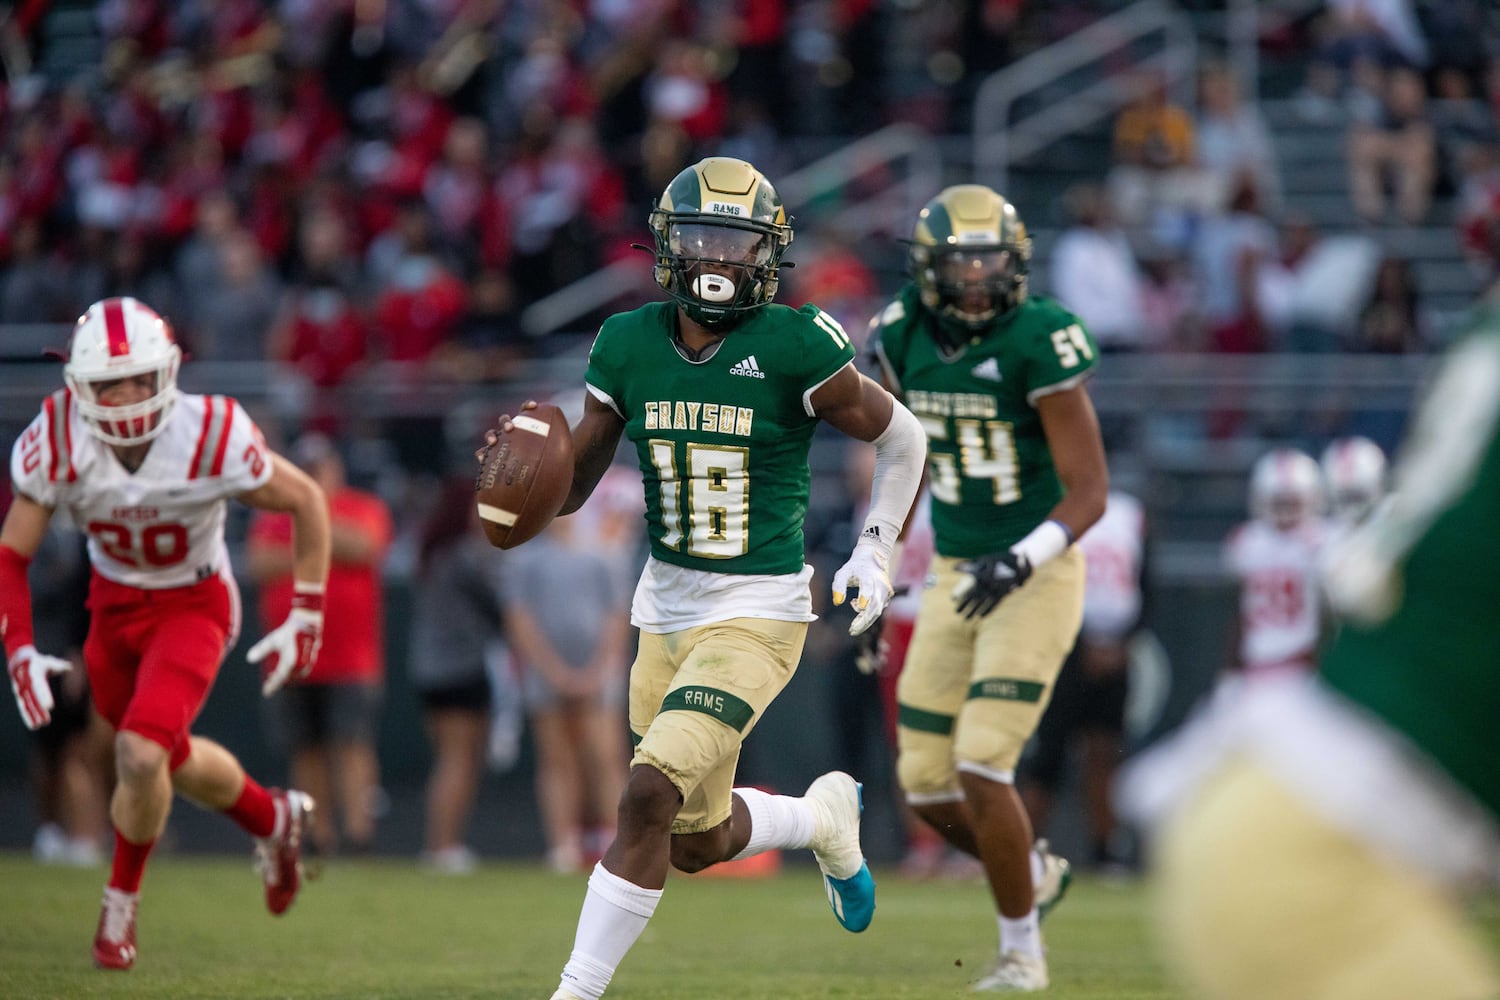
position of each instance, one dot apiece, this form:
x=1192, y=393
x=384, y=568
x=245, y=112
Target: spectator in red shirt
x=328, y=722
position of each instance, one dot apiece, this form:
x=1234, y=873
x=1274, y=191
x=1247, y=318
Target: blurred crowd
x=330, y=182
x=1189, y=243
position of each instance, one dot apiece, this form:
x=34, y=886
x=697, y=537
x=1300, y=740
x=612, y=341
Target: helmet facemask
x=974, y=287
x=718, y=270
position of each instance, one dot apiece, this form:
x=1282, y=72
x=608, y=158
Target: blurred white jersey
x=916, y=556
x=1113, y=549
x=163, y=525
x=1280, y=605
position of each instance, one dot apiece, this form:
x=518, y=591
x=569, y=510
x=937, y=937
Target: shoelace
x=119, y=912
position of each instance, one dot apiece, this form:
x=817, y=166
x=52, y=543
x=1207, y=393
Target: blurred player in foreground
x=145, y=471
x=1316, y=845
x=721, y=391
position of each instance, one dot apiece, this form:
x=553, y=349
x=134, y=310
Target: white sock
x=1037, y=868
x=614, y=914
x=775, y=821
x=1024, y=934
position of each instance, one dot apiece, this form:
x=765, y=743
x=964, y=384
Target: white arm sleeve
x=900, y=451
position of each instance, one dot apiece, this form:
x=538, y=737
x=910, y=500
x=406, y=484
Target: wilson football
x=525, y=476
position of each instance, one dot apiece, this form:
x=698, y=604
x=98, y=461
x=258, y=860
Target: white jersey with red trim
x=1113, y=549
x=1280, y=605
x=163, y=525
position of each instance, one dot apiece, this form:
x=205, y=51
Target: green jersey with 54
x=722, y=443
x=990, y=470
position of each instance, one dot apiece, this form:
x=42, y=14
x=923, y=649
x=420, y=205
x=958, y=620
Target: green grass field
x=387, y=929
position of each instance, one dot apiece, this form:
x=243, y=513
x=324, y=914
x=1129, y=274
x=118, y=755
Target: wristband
x=307, y=596
x=15, y=602
x=1047, y=540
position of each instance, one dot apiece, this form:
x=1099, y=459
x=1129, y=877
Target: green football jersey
x=990, y=471
x=1423, y=654
x=722, y=443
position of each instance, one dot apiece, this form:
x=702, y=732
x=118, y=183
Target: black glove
x=870, y=649
x=987, y=580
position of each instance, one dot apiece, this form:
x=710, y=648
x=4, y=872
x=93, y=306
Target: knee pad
x=925, y=764
x=991, y=734
x=686, y=746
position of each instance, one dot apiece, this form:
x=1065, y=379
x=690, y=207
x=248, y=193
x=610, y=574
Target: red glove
x=28, y=679
x=292, y=648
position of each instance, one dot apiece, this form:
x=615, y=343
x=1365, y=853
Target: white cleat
x=1057, y=875
x=836, y=803
x=1015, y=972
x=563, y=994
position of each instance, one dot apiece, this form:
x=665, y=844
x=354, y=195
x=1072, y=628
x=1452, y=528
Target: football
x=525, y=476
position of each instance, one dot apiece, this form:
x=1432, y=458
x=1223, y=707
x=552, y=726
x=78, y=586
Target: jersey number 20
x=155, y=545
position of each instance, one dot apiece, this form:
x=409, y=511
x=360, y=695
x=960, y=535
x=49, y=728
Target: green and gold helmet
x=969, y=257
x=720, y=231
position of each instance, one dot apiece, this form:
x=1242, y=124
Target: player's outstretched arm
x=290, y=650
x=25, y=527
x=862, y=409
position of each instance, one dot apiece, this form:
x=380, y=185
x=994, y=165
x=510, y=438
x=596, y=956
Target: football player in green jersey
x=1316, y=832
x=720, y=391
x=1017, y=472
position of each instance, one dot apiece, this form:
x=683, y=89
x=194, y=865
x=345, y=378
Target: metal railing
x=887, y=207
x=1127, y=384
x=1000, y=142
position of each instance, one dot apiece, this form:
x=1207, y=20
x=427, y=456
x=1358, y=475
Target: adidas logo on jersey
x=988, y=369
x=748, y=367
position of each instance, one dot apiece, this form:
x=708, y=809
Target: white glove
x=28, y=680
x=868, y=571
x=290, y=650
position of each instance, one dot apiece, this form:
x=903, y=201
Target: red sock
x=129, y=864
x=254, y=810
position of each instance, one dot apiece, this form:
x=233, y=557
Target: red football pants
x=152, y=655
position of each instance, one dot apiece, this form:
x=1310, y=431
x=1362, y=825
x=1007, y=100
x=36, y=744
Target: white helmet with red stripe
x=118, y=339
x=1354, y=476
x=1286, y=488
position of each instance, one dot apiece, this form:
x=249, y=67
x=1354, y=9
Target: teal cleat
x=837, y=801
x=852, y=899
